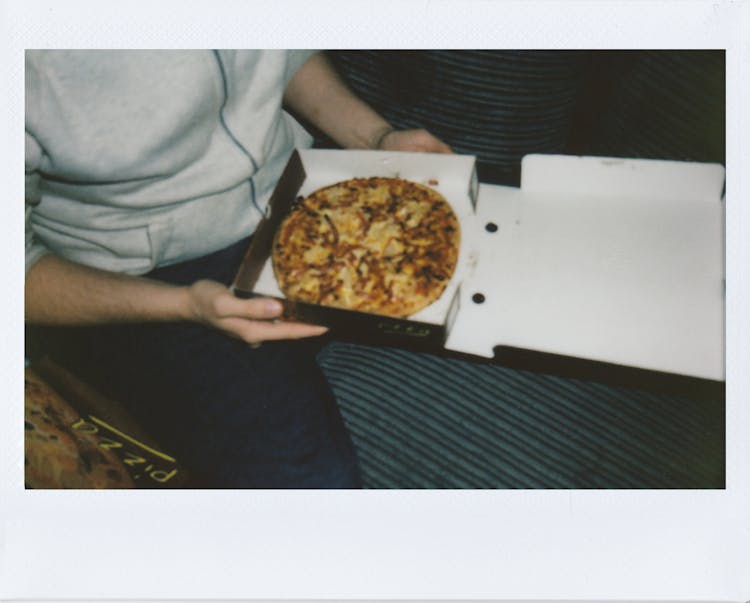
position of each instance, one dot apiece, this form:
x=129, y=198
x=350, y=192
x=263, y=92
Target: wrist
x=187, y=308
x=376, y=141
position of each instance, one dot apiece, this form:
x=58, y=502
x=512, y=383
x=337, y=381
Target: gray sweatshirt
x=138, y=159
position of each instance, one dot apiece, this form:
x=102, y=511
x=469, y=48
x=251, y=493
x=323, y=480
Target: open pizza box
x=607, y=269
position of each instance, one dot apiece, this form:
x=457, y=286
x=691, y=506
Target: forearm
x=59, y=292
x=62, y=292
x=318, y=94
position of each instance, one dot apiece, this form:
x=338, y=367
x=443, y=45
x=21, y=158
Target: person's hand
x=411, y=140
x=252, y=320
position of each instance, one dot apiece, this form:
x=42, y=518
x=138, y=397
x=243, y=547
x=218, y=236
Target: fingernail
x=272, y=307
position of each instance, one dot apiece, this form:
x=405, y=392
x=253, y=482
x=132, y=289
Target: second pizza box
x=613, y=265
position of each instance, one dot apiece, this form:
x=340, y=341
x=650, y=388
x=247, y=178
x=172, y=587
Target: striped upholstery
x=662, y=104
x=502, y=105
x=497, y=105
x=421, y=421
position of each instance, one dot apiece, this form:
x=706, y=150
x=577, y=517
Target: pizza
x=57, y=456
x=379, y=245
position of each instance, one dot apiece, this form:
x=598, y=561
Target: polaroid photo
x=578, y=430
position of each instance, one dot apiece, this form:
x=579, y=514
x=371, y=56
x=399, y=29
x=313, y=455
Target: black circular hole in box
x=478, y=298
x=490, y=227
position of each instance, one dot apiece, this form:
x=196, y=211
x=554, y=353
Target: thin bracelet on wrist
x=381, y=137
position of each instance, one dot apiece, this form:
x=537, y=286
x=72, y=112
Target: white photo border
x=542, y=545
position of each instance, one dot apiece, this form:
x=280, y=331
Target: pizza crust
x=380, y=245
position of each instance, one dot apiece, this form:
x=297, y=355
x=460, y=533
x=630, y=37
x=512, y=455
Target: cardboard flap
x=260, y=246
x=628, y=281
x=613, y=178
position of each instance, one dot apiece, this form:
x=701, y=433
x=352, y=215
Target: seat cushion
x=425, y=421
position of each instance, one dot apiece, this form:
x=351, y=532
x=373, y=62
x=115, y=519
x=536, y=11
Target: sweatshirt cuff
x=33, y=255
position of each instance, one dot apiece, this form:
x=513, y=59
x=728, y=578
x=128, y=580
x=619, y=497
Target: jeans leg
x=241, y=416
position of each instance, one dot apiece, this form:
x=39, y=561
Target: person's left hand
x=412, y=140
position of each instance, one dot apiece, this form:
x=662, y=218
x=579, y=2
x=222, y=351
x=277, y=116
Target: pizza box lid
x=616, y=261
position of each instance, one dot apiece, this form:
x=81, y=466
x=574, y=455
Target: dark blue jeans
x=239, y=417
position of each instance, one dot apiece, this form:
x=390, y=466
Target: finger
x=416, y=140
x=433, y=143
x=260, y=308
x=289, y=330
x=441, y=147
x=254, y=332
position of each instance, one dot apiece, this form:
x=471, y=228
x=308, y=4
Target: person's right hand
x=252, y=320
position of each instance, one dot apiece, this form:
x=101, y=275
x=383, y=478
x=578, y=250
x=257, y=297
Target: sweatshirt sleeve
x=35, y=249
x=297, y=58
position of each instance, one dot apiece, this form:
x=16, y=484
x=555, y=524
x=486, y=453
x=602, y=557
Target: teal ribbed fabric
x=423, y=421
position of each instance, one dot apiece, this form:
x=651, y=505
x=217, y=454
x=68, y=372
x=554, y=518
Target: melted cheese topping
x=381, y=245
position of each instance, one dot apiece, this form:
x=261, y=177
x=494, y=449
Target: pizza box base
x=598, y=268
x=454, y=176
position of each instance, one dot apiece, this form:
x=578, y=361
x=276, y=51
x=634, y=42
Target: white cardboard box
x=614, y=261
x=454, y=176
